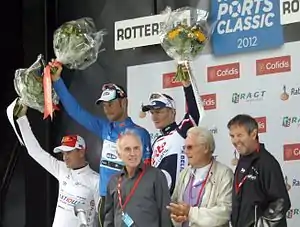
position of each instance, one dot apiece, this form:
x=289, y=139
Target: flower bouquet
x=184, y=35
x=76, y=45
x=28, y=84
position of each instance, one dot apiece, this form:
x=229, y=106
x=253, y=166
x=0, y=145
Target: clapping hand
x=179, y=212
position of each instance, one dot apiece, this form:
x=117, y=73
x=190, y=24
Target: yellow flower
x=172, y=34
x=200, y=36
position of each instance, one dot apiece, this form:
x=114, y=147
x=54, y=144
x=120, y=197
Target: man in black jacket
x=259, y=195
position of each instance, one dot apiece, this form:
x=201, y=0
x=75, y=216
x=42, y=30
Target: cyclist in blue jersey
x=114, y=101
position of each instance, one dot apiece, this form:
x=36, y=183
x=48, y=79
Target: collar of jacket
x=139, y=169
x=166, y=130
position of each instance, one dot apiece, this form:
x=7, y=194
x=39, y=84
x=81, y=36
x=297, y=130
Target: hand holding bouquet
x=28, y=84
x=76, y=45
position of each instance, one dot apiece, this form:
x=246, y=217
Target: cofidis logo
x=246, y=25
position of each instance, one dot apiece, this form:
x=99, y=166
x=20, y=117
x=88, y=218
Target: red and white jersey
x=75, y=186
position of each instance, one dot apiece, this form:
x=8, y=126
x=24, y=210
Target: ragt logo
x=292, y=212
x=237, y=16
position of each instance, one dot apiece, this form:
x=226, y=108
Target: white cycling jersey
x=75, y=186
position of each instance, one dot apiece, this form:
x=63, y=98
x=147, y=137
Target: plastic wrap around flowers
x=76, y=44
x=184, y=35
x=28, y=84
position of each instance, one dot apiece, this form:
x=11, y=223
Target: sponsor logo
x=169, y=81
x=291, y=152
x=245, y=25
x=288, y=121
x=248, y=96
x=68, y=200
x=142, y=31
x=285, y=95
x=262, y=124
x=290, y=11
x=223, y=72
x=111, y=156
x=209, y=101
x=293, y=212
x=273, y=65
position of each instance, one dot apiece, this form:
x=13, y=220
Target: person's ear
x=254, y=134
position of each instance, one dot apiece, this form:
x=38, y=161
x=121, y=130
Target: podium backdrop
x=264, y=84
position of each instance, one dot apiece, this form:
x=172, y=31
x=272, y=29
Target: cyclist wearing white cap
x=78, y=183
x=114, y=102
x=168, y=148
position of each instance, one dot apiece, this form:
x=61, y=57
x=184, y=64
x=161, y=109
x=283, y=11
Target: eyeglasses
x=111, y=86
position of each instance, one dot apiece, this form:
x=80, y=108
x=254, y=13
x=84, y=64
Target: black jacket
x=262, y=199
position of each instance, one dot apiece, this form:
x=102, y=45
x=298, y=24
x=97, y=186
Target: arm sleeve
x=96, y=192
x=192, y=108
x=147, y=149
x=109, y=207
x=169, y=167
x=274, y=185
x=219, y=214
x=163, y=199
x=90, y=122
x=51, y=164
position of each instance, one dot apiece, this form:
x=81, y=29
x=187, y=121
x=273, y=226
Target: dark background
x=27, y=29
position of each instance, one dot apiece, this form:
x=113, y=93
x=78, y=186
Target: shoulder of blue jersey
x=141, y=129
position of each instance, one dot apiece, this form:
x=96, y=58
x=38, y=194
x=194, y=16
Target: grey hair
x=128, y=132
x=203, y=135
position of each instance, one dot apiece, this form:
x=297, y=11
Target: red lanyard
x=202, y=186
x=239, y=185
x=128, y=197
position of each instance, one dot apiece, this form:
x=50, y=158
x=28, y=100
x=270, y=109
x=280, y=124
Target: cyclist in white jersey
x=78, y=183
x=168, y=148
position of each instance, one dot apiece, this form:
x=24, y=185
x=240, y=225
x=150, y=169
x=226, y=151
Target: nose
x=234, y=140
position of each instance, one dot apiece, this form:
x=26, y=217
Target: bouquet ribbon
x=47, y=85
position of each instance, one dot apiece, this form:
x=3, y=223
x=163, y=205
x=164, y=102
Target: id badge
x=127, y=220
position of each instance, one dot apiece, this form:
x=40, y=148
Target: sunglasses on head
x=159, y=95
x=111, y=86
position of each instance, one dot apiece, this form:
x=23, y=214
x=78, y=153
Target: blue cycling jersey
x=108, y=131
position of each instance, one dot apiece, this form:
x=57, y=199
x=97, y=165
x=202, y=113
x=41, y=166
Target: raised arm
x=192, y=116
x=51, y=164
x=72, y=107
x=90, y=122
